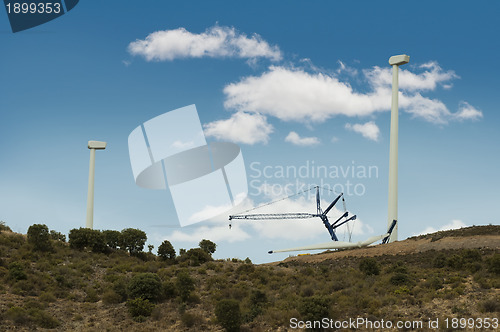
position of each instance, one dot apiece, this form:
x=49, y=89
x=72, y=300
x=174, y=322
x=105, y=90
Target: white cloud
x=454, y=224
x=432, y=76
x=293, y=94
x=241, y=127
x=215, y=42
x=467, y=112
x=368, y=130
x=294, y=138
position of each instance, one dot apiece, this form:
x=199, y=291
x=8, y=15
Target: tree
x=228, y=314
x=133, y=240
x=207, y=246
x=166, y=251
x=112, y=238
x=146, y=286
x=82, y=238
x=57, y=236
x=195, y=256
x=184, y=284
x=39, y=237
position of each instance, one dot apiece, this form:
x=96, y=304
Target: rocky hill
x=424, y=282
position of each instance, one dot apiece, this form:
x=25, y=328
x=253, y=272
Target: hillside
x=454, y=274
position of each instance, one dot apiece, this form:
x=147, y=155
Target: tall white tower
x=93, y=145
x=395, y=61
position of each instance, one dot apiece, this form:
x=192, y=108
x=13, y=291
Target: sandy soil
x=405, y=247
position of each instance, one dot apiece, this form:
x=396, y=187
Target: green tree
x=57, y=236
x=207, y=246
x=195, y=256
x=228, y=314
x=133, y=240
x=39, y=237
x=112, y=238
x=82, y=238
x=166, y=251
x=184, y=285
x=146, y=286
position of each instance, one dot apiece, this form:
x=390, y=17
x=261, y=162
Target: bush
x=314, y=308
x=110, y=297
x=39, y=237
x=184, y=285
x=399, y=279
x=494, y=264
x=4, y=227
x=146, y=286
x=44, y=320
x=490, y=305
x=16, y=271
x=369, y=266
x=166, y=251
x=207, y=246
x=140, y=307
x=228, y=314
x=133, y=240
x=18, y=315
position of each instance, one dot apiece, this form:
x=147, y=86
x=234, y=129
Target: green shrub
x=44, y=320
x=439, y=261
x=110, y=297
x=168, y=290
x=39, y=237
x=314, y=308
x=140, y=307
x=166, y=251
x=18, y=315
x=490, y=305
x=146, y=286
x=16, y=271
x=494, y=264
x=228, y=314
x=184, y=285
x=188, y=319
x=399, y=279
x=369, y=266
x=4, y=227
x=47, y=297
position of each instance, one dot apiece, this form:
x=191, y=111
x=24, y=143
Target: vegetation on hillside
x=103, y=280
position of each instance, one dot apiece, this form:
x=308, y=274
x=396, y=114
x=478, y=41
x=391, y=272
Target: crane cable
x=276, y=201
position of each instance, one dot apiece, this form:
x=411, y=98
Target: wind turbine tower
x=93, y=145
x=395, y=61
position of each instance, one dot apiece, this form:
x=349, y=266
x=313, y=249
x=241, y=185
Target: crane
x=331, y=227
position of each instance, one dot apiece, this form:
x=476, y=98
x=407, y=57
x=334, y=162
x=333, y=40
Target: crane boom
x=264, y=216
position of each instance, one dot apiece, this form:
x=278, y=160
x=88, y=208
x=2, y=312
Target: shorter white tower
x=93, y=145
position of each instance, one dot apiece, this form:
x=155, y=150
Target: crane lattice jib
x=265, y=216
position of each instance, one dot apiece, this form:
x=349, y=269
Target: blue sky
x=293, y=84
